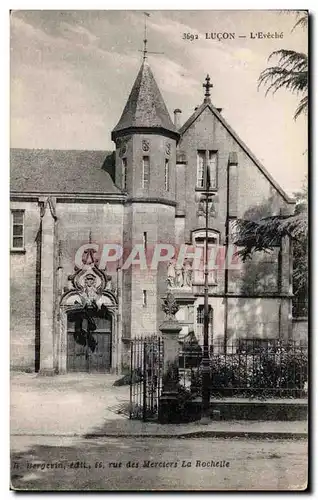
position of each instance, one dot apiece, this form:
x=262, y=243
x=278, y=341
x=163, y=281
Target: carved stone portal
x=90, y=283
x=92, y=295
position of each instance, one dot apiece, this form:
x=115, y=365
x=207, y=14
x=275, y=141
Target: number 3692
x=190, y=36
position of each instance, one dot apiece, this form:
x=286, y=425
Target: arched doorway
x=89, y=341
x=88, y=338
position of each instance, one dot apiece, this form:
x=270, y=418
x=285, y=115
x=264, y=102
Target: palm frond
x=302, y=107
x=302, y=22
x=291, y=73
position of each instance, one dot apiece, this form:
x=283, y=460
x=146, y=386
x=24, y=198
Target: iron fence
x=145, y=377
x=248, y=368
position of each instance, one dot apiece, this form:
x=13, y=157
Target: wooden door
x=81, y=358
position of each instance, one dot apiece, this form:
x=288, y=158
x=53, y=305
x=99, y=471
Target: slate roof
x=261, y=167
x=145, y=106
x=60, y=171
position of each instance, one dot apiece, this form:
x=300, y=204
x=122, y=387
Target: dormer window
x=207, y=158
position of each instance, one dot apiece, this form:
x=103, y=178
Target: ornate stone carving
x=187, y=273
x=145, y=145
x=179, y=277
x=121, y=145
x=49, y=202
x=171, y=273
x=123, y=150
x=91, y=282
x=168, y=148
x=170, y=306
x=87, y=298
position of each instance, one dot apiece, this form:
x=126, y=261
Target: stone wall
x=253, y=318
x=300, y=329
x=23, y=291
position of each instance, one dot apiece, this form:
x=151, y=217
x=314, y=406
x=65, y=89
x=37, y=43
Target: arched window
x=198, y=240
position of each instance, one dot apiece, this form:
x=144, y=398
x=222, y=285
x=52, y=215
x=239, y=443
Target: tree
x=265, y=234
x=290, y=72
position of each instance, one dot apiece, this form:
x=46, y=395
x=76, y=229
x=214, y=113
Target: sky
x=72, y=71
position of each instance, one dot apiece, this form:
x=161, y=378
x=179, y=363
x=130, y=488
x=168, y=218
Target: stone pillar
x=48, y=219
x=170, y=330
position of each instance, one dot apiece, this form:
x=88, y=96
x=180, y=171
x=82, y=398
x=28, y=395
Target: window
x=124, y=173
x=200, y=169
x=210, y=159
x=167, y=174
x=144, y=298
x=200, y=315
x=199, y=328
x=144, y=240
x=17, y=225
x=212, y=164
x=213, y=248
x=145, y=171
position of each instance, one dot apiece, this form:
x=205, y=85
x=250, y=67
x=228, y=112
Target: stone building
x=81, y=318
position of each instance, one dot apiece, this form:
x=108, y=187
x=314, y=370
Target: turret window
x=167, y=165
x=124, y=173
x=145, y=171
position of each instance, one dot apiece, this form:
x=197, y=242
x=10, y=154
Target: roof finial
x=145, y=51
x=207, y=86
x=145, y=36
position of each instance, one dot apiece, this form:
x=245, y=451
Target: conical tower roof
x=145, y=107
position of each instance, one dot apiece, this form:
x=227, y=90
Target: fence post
x=170, y=330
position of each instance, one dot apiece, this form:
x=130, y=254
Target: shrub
x=279, y=371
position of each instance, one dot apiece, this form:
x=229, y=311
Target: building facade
x=80, y=315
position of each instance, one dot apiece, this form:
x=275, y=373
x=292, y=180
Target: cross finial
x=207, y=87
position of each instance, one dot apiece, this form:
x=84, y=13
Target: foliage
x=265, y=234
x=133, y=377
x=191, y=353
x=290, y=72
x=280, y=371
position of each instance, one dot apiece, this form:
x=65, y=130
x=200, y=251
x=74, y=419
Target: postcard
x=159, y=250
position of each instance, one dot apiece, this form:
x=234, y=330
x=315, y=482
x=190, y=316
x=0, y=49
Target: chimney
x=177, y=112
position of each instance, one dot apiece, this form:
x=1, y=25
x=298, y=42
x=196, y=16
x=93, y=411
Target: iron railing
x=248, y=368
x=145, y=377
